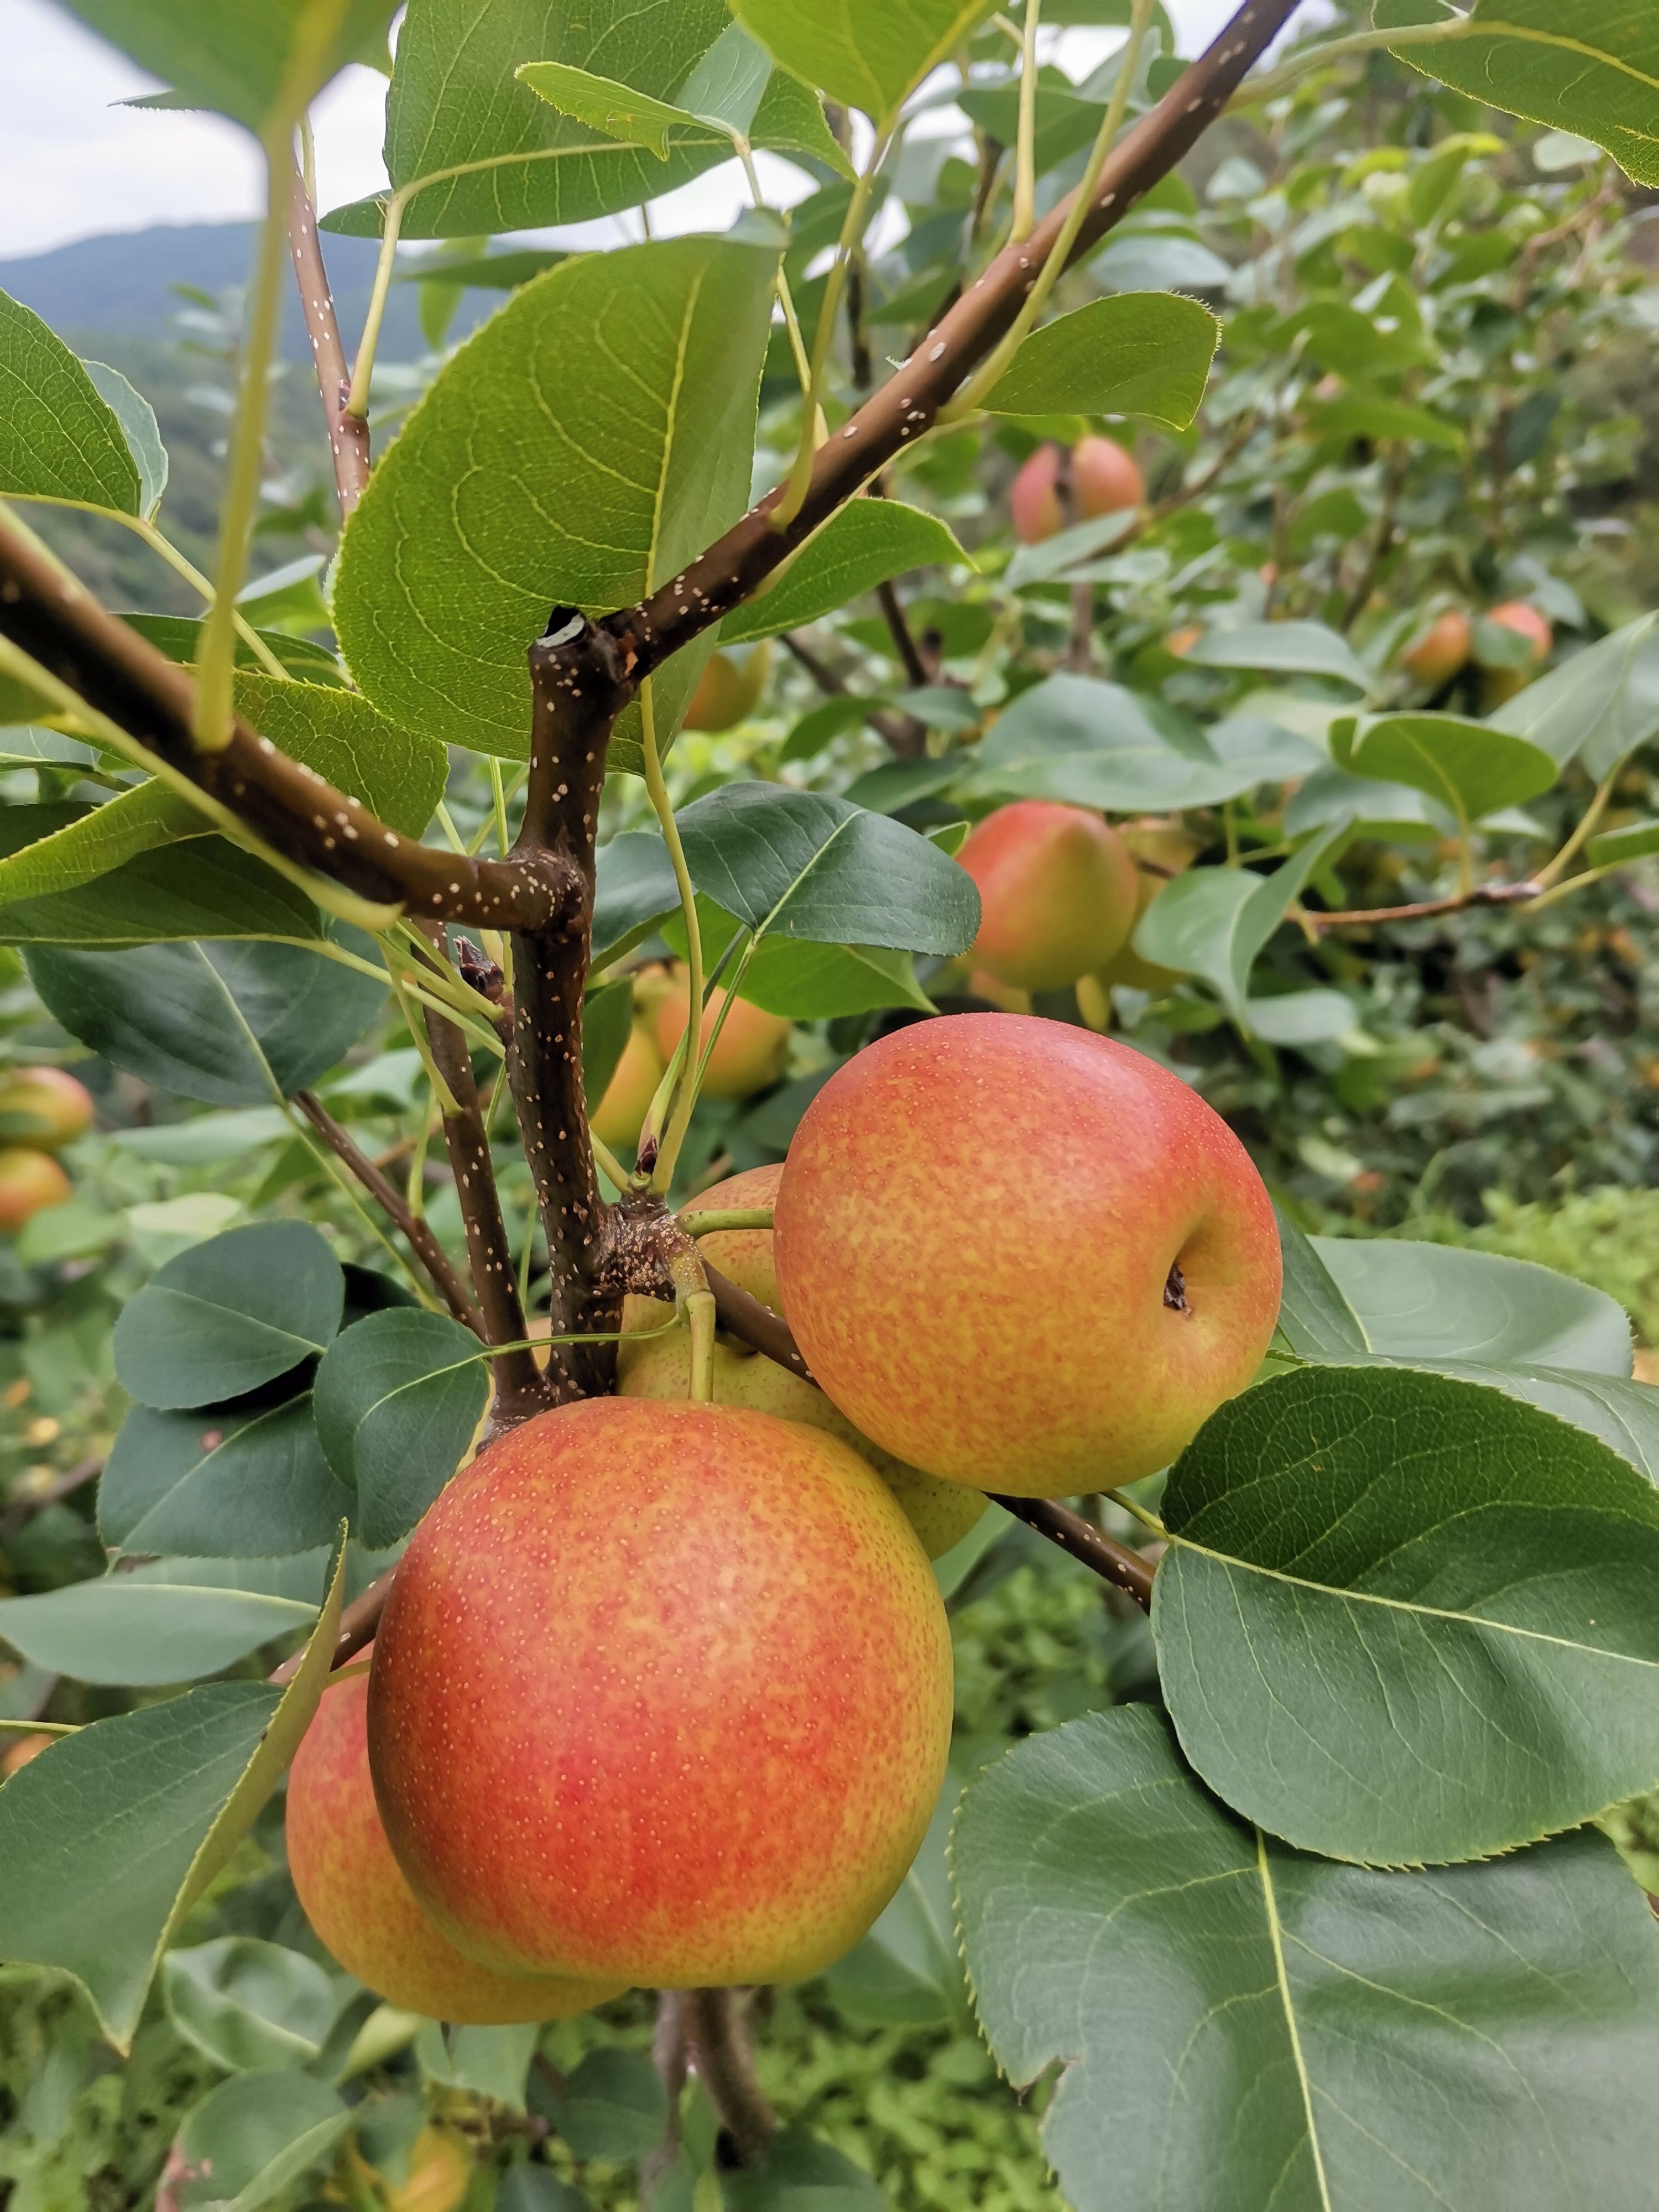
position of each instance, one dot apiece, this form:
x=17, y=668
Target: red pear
x=30, y=1182
x=1435, y=657
x=1105, y=479
x=59, y=1108
x=1057, y=893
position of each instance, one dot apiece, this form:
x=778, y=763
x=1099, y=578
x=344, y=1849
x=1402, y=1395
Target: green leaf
x=245, y=2004
x=109, y=1838
x=617, y=111
x=1315, y=1319
x=474, y=151
x=1300, y=1017
x=640, y=367
x=399, y=774
x=1616, y=848
x=636, y=890
x=262, y=62
x=1468, y=766
x=134, y=821
x=1593, y=70
x=1146, y=354
x=1242, y=2029
x=58, y=438
x=1214, y=922
x=180, y=638
x=116, y=1630
x=139, y=428
x=397, y=1400
x=1290, y=648
x=1368, y=415
x=607, y=1021
x=802, y=864
x=254, y=2137
x=798, y=2171
x=1096, y=744
x=230, y=1025
x=206, y=887
x=1417, y=1301
x=613, y=2106
x=866, y=53
x=227, y=1315
x=867, y=542
x=220, y=1482
x=806, y=981
x=908, y=1969
x=1404, y=1619
x=1597, y=707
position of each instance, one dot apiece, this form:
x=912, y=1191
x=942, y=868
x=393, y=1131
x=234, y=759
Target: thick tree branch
x=910, y=402
x=578, y=688
x=521, y=1389
x=416, y=1232
x=58, y=623
x=348, y=434
x=718, y=2032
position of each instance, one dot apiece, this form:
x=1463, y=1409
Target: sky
x=73, y=164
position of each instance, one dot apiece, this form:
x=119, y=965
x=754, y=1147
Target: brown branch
x=718, y=2032
x=578, y=689
x=521, y=1389
x=669, y=2056
x=416, y=1232
x=907, y=737
x=348, y=434
x=58, y=622
x=357, y=1625
x=904, y=642
x=1086, y=1543
x=23, y=1509
x=756, y=1323
x=1422, y=909
x=909, y=402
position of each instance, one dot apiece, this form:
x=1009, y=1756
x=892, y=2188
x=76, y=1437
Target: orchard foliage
x=1121, y=550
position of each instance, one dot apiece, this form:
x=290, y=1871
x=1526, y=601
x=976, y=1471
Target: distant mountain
x=122, y=283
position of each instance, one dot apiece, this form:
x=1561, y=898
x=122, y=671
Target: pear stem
x=718, y=2032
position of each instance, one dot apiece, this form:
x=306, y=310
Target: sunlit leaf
x=1146, y=354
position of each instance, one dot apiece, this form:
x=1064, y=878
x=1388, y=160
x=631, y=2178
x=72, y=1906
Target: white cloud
x=74, y=165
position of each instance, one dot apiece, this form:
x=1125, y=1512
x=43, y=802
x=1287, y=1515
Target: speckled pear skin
x=974, y=1231
x=941, y=1513
x=355, y=1895
x=662, y=1695
x=1057, y=889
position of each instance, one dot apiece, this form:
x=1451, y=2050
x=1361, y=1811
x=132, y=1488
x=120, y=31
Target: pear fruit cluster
x=41, y=1110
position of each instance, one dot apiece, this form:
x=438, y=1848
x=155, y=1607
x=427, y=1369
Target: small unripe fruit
x=1023, y=1256
x=1443, y=648
x=730, y=687
x=661, y=1695
x=1104, y=480
x=357, y=1898
x=753, y=1044
x=30, y=1182
x=60, y=1108
x=1057, y=893
x=660, y=1367
x=617, y=1118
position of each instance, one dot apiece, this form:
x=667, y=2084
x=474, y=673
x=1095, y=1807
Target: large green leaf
x=802, y=864
x=397, y=1400
x=206, y=887
x=868, y=541
x=1469, y=767
x=1244, y=2029
x=866, y=53
x=399, y=774
x=116, y=1630
x=134, y=821
x=617, y=111
x=639, y=368
x=245, y=2004
x=1146, y=354
x=58, y=439
x=475, y=151
x=110, y=1836
x=636, y=890
x=251, y=2139
x=1090, y=744
x=220, y=1482
x=1592, y=69
x=1289, y=648
x=1214, y=922
x=1404, y=1619
x=809, y=982
x=1597, y=706
x=230, y=1315
x=230, y=1025
x=260, y=61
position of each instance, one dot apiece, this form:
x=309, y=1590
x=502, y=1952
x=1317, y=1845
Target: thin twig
x=348, y=434
x=906, y=737
x=417, y=1233
x=1086, y=1543
x=904, y=637
x=1421, y=909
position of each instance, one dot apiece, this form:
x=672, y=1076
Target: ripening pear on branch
x=730, y=688
x=1525, y=620
x=356, y=1899
x=617, y=1118
x=662, y=1695
x=752, y=1045
x=1057, y=892
x=55, y=1106
x=1443, y=649
x=1102, y=478
x=660, y=1367
x=30, y=1182
x=1023, y=1256
x=1161, y=851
